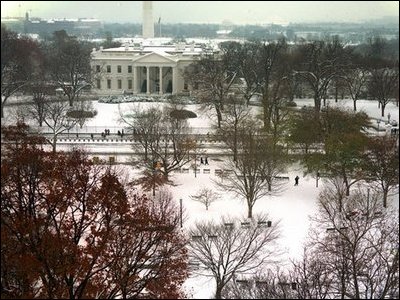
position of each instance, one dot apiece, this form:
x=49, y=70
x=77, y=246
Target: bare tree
x=311, y=277
x=273, y=284
x=253, y=175
x=226, y=249
x=321, y=63
x=212, y=81
x=357, y=242
x=70, y=68
x=356, y=80
x=57, y=120
x=382, y=164
x=235, y=114
x=163, y=138
x=206, y=196
x=242, y=59
x=19, y=57
x=40, y=92
x=171, y=146
x=269, y=55
x=382, y=85
x=142, y=125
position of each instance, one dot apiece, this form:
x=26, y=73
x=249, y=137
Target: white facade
x=142, y=70
x=148, y=22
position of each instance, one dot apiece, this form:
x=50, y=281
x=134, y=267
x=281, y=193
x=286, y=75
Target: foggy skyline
x=250, y=12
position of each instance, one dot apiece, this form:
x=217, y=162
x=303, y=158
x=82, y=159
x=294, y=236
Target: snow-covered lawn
x=292, y=208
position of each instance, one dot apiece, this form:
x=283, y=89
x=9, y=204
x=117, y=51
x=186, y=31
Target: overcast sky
x=243, y=12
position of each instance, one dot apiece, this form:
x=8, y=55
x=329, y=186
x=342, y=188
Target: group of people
x=105, y=133
x=205, y=161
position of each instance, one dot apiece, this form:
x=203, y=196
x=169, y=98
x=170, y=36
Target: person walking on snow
x=296, y=180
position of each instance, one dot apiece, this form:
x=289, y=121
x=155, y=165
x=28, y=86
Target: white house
x=142, y=69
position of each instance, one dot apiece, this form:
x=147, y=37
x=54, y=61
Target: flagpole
x=159, y=25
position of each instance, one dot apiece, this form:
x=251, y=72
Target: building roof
x=172, y=53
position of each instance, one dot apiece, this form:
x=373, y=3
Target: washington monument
x=148, y=23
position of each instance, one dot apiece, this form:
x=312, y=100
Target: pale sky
x=239, y=12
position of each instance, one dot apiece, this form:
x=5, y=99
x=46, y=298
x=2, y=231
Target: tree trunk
x=2, y=111
x=385, y=194
x=145, y=153
x=355, y=280
x=355, y=105
x=3, y=102
x=219, y=116
x=54, y=143
x=218, y=292
x=317, y=103
x=266, y=112
x=383, y=110
x=250, y=211
x=235, y=146
x=336, y=92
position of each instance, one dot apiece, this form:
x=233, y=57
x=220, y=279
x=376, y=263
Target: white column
x=135, y=80
x=174, y=70
x=160, y=81
x=148, y=80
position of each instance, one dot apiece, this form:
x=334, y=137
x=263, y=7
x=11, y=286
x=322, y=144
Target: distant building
x=71, y=26
x=141, y=69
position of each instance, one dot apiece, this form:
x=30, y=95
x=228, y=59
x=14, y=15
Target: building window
x=119, y=84
x=98, y=83
x=108, y=69
x=129, y=69
x=129, y=84
x=98, y=68
x=119, y=69
x=109, y=83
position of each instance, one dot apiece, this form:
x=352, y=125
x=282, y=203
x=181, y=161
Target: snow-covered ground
x=292, y=208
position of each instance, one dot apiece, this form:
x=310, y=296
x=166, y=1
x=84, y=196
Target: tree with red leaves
x=71, y=229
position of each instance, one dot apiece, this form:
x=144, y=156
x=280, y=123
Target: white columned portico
x=174, y=70
x=161, y=81
x=135, y=80
x=147, y=80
